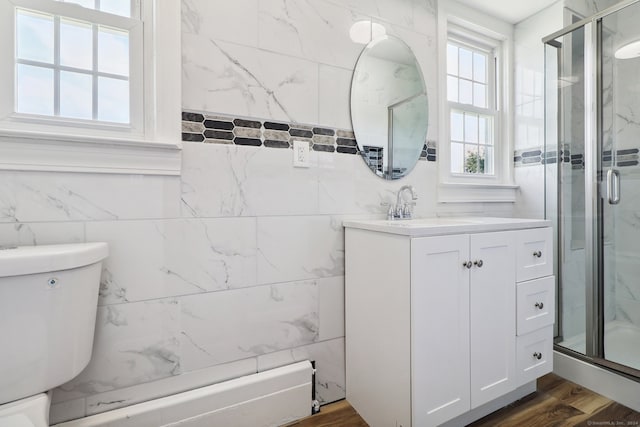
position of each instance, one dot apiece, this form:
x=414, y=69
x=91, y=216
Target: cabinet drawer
x=534, y=355
x=535, y=307
x=534, y=254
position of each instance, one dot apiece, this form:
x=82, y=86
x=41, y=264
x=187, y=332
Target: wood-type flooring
x=557, y=402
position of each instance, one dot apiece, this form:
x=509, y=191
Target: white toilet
x=48, y=302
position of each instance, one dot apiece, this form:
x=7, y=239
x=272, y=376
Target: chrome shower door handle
x=613, y=186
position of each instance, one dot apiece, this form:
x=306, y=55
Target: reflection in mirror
x=389, y=107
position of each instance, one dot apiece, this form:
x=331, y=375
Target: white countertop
x=422, y=227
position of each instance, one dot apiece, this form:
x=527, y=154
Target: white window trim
x=155, y=150
x=500, y=187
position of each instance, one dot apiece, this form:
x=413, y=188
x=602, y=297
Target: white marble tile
x=52, y=196
x=299, y=248
x=167, y=386
x=223, y=326
x=222, y=77
x=331, y=307
x=348, y=186
x=234, y=21
x=134, y=343
x=628, y=310
x=330, y=366
x=65, y=411
x=334, y=98
x=530, y=195
x=311, y=29
x=157, y=259
x=31, y=234
x=220, y=180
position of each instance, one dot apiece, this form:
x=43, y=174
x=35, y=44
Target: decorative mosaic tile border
x=221, y=129
x=536, y=156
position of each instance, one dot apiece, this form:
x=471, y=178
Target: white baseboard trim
x=265, y=399
x=602, y=381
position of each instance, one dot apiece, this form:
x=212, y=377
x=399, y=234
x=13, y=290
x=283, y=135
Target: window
x=90, y=85
x=79, y=62
x=475, y=154
x=472, y=107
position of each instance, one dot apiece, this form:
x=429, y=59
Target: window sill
x=39, y=151
x=476, y=193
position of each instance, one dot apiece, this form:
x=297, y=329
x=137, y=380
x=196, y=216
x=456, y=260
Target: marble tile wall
x=236, y=266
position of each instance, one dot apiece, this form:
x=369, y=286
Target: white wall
x=238, y=265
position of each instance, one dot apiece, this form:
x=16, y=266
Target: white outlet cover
x=301, y=154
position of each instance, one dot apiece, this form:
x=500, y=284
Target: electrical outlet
x=301, y=154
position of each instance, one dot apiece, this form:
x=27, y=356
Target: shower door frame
x=594, y=217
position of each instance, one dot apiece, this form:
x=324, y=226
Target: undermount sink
x=446, y=225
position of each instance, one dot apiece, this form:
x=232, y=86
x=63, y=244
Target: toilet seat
x=28, y=412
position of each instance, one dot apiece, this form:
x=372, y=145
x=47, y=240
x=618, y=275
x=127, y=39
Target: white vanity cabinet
x=433, y=323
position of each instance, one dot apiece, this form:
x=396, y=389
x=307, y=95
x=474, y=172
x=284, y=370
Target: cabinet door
x=493, y=316
x=439, y=329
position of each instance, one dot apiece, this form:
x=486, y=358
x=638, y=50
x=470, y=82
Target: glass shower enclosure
x=592, y=184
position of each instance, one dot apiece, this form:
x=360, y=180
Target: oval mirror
x=389, y=107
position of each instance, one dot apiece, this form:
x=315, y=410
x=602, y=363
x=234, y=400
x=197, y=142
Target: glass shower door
x=619, y=178
x=565, y=180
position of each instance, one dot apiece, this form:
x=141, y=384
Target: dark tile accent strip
x=192, y=117
x=247, y=123
x=218, y=134
x=217, y=124
x=431, y=151
x=627, y=151
x=276, y=144
x=531, y=160
x=347, y=150
x=550, y=161
x=431, y=158
x=535, y=153
x=630, y=163
x=276, y=126
x=346, y=142
x=324, y=131
x=517, y=159
x=248, y=141
x=192, y=137
x=301, y=133
x=324, y=148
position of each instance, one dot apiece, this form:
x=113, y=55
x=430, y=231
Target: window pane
x=479, y=68
x=466, y=63
x=466, y=92
x=452, y=59
x=117, y=7
x=113, y=100
x=480, y=95
x=113, y=51
x=76, y=44
x=34, y=33
x=470, y=128
x=90, y=4
x=484, y=130
x=457, y=126
x=76, y=99
x=486, y=159
x=452, y=88
x=472, y=162
x=457, y=158
x=34, y=90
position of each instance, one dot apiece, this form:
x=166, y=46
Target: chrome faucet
x=402, y=210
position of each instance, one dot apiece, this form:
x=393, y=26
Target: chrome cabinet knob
x=539, y=305
x=479, y=263
x=537, y=355
x=467, y=264
x=537, y=254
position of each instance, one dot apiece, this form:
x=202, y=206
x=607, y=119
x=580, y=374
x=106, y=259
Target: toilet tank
x=48, y=302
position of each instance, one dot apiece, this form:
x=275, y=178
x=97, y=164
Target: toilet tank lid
x=22, y=260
